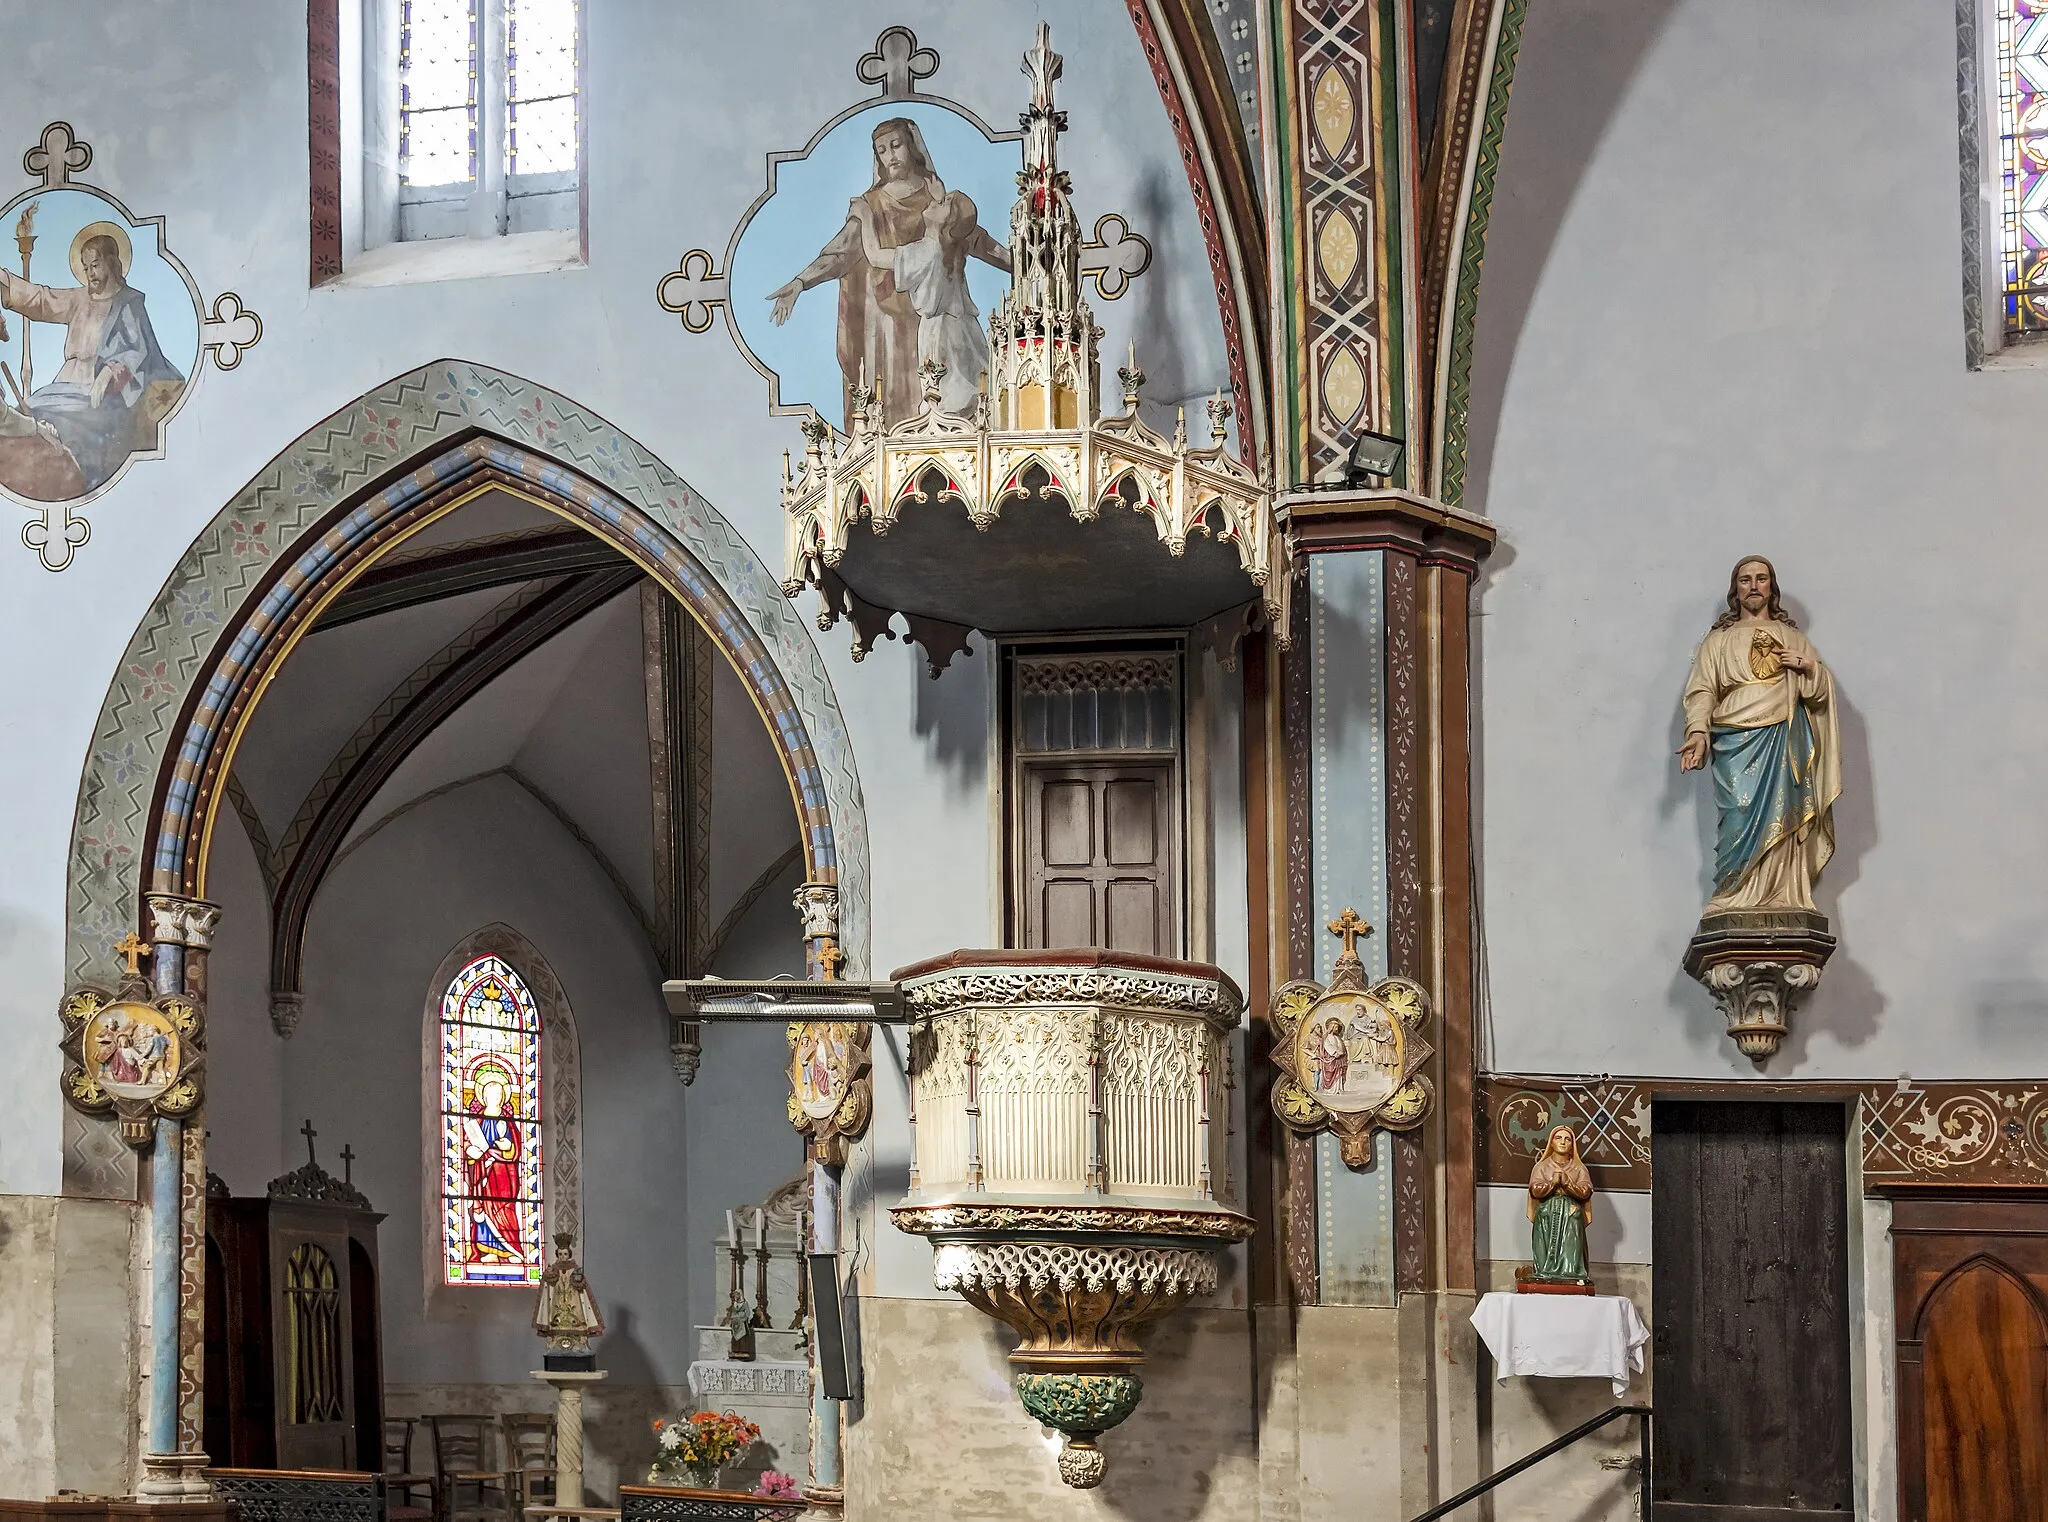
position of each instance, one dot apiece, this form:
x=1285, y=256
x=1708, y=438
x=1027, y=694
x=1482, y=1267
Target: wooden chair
x=530, y=1449
x=470, y=1489
x=400, y=1479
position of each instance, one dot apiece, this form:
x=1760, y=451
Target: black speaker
x=836, y=1324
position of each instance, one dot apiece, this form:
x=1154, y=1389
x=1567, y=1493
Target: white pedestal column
x=568, y=1386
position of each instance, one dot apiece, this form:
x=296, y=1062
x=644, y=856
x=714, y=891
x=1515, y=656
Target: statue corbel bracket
x=1759, y=965
x=1351, y=1057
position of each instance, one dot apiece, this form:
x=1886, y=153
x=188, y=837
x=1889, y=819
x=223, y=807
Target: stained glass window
x=437, y=92
x=2023, y=151
x=540, y=86
x=490, y=1128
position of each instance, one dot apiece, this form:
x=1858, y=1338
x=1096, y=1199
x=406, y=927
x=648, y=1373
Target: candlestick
x=760, y=1316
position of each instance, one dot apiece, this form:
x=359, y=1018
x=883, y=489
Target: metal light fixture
x=1373, y=457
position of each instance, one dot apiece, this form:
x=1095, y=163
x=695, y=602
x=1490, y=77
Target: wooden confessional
x=294, y=1350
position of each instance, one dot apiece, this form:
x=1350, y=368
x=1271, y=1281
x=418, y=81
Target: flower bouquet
x=691, y=1450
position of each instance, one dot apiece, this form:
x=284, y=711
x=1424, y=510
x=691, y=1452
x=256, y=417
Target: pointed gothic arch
x=257, y=577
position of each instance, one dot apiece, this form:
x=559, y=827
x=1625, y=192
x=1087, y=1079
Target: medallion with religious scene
x=132, y=1050
x=1350, y=1048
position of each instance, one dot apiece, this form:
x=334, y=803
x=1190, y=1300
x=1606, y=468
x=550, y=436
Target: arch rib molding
x=260, y=574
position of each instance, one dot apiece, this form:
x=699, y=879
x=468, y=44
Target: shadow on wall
x=619, y=1352
x=951, y=710
x=1573, y=69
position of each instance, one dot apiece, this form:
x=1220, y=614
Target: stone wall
x=941, y=1434
x=68, y=1401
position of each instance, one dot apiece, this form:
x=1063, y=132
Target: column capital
x=1433, y=532
x=178, y=921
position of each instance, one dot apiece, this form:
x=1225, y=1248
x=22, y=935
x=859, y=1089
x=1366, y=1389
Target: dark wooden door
x=311, y=1333
x=1099, y=866
x=1750, y=1313
x=1971, y=1285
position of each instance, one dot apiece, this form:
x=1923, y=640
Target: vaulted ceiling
x=500, y=641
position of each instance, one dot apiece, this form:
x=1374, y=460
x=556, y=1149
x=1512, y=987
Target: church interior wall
x=677, y=124
x=1722, y=315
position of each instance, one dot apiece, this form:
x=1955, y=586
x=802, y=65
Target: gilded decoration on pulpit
x=130, y=1053
x=1351, y=1056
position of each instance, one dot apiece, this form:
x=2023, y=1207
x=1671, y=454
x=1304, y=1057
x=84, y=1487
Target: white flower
x=672, y=1435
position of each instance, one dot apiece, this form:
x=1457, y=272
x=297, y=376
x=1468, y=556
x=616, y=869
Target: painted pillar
x=1365, y=744
x=181, y=933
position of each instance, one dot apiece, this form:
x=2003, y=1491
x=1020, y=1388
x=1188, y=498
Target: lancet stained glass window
x=2023, y=156
x=491, y=1172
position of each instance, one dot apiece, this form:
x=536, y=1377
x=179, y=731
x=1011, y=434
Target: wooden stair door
x=314, y=1340
x=1971, y=1293
x=1750, y=1312
x=1099, y=869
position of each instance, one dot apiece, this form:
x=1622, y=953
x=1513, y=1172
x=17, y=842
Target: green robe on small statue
x=1560, y=1210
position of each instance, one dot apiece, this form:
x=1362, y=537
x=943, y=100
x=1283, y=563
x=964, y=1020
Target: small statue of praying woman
x=1560, y=1210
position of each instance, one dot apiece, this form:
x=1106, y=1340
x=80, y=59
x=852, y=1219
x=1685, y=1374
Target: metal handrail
x=1445, y=1508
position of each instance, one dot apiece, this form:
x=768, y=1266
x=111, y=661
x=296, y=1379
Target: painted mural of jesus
x=924, y=235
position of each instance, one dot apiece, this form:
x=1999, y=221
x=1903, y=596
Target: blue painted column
x=1347, y=780
x=166, y=1176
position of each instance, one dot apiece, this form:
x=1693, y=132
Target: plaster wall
x=198, y=111
x=942, y=1434
x=68, y=1401
x=1722, y=315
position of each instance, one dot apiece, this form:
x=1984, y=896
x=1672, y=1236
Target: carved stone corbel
x=1759, y=965
x=285, y=1009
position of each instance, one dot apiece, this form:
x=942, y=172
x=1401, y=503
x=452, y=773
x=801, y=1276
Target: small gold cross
x=134, y=948
x=830, y=957
x=1351, y=927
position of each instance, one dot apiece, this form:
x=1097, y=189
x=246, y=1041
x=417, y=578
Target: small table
x=1562, y=1336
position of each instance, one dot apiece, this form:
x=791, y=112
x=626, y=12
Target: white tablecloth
x=1562, y=1336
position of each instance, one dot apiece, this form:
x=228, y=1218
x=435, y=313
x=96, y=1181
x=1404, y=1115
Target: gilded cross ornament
x=1351, y=929
x=830, y=960
x=132, y=948
x=1351, y=1057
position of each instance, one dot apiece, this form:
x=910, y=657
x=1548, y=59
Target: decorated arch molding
x=255, y=578
x=1188, y=67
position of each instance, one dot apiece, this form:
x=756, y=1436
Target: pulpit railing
x=1558, y=1445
